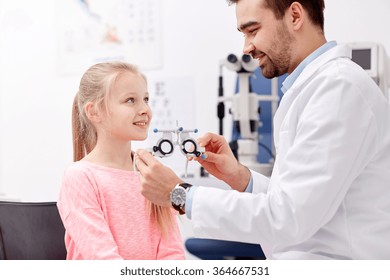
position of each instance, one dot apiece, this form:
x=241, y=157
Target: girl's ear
x=91, y=112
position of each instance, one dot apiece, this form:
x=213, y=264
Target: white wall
x=35, y=103
x=358, y=20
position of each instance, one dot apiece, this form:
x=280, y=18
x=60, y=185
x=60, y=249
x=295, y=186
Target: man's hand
x=219, y=161
x=157, y=180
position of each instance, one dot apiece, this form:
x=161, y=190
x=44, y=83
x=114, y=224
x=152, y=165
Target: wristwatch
x=178, y=197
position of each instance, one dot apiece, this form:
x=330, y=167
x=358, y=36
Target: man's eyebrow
x=246, y=25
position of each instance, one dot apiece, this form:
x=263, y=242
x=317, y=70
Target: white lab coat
x=329, y=193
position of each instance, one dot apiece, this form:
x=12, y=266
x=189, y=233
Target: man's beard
x=278, y=56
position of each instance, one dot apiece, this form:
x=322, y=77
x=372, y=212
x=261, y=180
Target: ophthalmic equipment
x=245, y=111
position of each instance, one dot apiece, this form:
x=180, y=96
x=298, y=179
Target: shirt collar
x=289, y=81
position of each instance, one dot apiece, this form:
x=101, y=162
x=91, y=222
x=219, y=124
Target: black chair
x=210, y=249
x=31, y=231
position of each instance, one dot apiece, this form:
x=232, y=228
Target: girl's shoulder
x=91, y=171
x=87, y=166
x=78, y=169
x=79, y=166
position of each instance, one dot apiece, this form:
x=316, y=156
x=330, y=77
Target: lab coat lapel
x=290, y=96
x=280, y=114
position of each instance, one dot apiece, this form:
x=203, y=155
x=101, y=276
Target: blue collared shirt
x=289, y=81
x=287, y=84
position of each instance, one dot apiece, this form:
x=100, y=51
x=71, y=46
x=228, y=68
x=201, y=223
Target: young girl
x=103, y=211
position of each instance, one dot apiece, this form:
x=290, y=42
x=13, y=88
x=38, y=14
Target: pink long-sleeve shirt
x=106, y=217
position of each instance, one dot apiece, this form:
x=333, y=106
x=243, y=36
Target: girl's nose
x=144, y=109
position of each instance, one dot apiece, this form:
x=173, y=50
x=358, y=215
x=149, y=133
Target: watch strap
x=185, y=185
x=181, y=208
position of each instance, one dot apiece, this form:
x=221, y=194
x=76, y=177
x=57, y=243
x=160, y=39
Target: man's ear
x=296, y=15
x=92, y=114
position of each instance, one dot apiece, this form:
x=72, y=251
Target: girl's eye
x=146, y=99
x=130, y=100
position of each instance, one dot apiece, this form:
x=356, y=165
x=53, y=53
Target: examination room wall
x=36, y=98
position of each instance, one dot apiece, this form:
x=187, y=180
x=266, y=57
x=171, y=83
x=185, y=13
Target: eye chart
x=92, y=31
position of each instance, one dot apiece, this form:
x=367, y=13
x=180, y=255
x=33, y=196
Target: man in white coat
x=329, y=193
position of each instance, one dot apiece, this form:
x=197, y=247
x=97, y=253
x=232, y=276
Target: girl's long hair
x=95, y=86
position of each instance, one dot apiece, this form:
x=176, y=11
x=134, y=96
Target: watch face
x=178, y=196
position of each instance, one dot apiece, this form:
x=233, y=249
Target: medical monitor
x=366, y=55
x=373, y=59
x=363, y=58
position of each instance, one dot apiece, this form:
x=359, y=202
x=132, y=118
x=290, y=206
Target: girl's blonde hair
x=95, y=86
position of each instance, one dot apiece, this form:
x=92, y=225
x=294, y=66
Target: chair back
x=31, y=231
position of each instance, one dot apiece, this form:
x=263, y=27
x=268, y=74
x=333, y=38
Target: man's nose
x=248, y=48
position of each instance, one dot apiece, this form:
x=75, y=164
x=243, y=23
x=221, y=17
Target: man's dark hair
x=314, y=8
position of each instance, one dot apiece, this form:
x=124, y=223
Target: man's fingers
x=139, y=163
x=211, y=140
x=210, y=157
x=145, y=156
x=205, y=139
